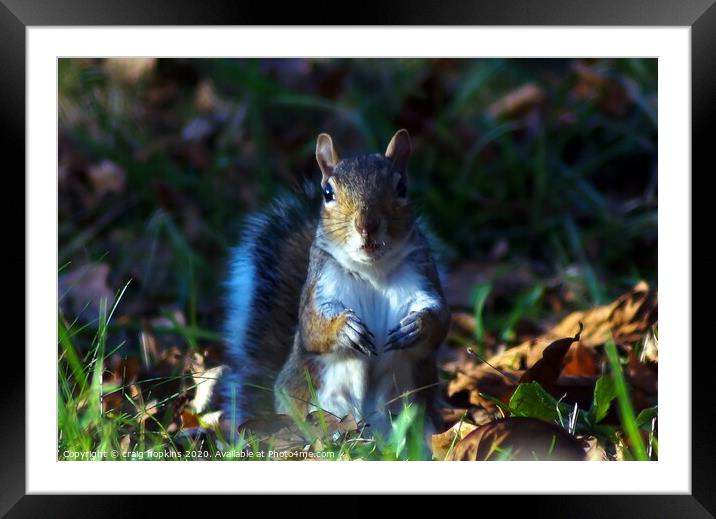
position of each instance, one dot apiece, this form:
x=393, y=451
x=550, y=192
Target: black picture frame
x=17, y=15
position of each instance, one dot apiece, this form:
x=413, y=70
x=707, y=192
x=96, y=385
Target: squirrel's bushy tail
x=266, y=274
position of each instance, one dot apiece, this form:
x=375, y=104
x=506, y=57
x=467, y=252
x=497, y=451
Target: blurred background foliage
x=538, y=175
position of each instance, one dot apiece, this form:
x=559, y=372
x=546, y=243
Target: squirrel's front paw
x=355, y=335
x=409, y=332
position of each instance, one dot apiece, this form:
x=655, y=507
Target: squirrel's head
x=365, y=205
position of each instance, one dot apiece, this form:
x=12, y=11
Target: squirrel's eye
x=401, y=189
x=328, y=194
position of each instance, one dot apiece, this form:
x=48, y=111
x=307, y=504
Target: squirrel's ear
x=326, y=156
x=399, y=150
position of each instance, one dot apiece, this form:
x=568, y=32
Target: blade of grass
x=525, y=304
x=626, y=410
x=480, y=294
x=72, y=358
x=454, y=440
x=575, y=242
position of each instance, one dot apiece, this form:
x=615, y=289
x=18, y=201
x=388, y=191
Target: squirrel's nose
x=367, y=227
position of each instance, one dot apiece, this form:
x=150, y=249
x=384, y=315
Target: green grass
x=87, y=431
x=626, y=409
x=117, y=434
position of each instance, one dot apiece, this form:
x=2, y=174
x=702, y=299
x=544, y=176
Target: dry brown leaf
x=327, y=424
x=125, y=443
x=519, y=438
x=277, y=432
x=643, y=379
x=580, y=362
x=517, y=102
x=571, y=390
x=107, y=177
x=481, y=416
x=120, y=374
x=146, y=411
x=282, y=433
x=205, y=98
x=650, y=348
x=594, y=451
x=547, y=369
x=129, y=70
x=626, y=319
x=442, y=442
x=476, y=378
x=450, y=415
x=464, y=322
x=188, y=420
x=589, y=81
x=82, y=290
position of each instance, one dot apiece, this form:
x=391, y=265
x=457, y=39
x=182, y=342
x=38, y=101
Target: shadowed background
x=541, y=169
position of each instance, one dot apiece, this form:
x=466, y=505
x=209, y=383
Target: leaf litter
x=557, y=381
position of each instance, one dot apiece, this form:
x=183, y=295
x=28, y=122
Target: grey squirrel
x=337, y=307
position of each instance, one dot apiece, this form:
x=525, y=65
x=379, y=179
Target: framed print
x=426, y=236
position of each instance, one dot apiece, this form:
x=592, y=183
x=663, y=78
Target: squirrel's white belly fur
x=363, y=386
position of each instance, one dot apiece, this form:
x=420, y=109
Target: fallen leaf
x=119, y=380
x=650, y=348
x=129, y=70
x=481, y=416
x=82, y=290
x=188, y=420
x=580, y=362
x=283, y=433
x=479, y=380
x=441, y=443
x=547, y=369
x=571, y=390
x=594, y=451
x=643, y=379
x=451, y=415
x=124, y=443
x=589, y=82
x=206, y=98
x=517, y=103
x=146, y=411
x=107, y=177
x=626, y=319
x=327, y=424
x=519, y=439
x=463, y=322
x=277, y=432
